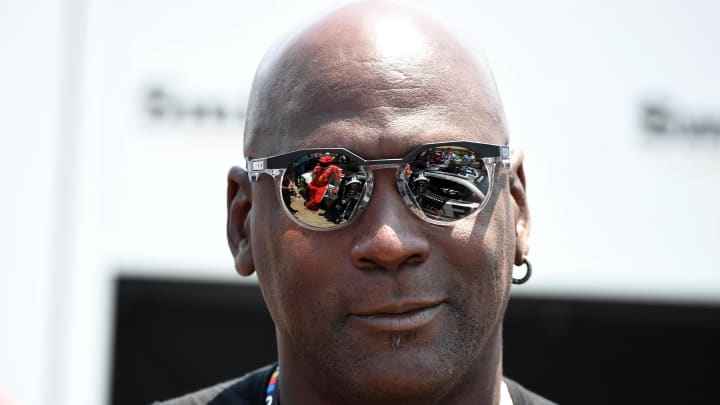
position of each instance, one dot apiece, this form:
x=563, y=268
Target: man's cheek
x=462, y=231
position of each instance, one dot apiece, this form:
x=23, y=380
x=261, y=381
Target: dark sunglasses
x=327, y=188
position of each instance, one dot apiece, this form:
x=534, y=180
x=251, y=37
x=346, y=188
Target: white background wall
x=30, y=125
x=93, y=187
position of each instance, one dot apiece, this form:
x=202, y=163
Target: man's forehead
x=343, y=83
x=391, y=141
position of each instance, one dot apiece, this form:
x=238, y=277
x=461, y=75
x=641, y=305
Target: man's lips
x=399, y=317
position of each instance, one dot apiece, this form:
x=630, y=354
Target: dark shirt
x=250, y=390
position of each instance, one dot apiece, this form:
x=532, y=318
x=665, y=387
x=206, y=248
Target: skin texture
x=379, y=80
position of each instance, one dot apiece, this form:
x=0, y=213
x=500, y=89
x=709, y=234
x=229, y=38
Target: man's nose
x=390, y=236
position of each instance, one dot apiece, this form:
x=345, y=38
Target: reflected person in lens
x=388, y=267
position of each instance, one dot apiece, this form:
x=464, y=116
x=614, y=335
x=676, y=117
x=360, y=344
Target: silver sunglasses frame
x=276, y=166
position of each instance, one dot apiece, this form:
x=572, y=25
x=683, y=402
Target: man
x=397, y=304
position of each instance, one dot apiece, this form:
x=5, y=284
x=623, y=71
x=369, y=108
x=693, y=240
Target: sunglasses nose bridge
x=373, y=170
x=384, y=187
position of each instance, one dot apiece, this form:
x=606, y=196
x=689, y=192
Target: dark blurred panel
x=609, y=352
x=172, y=337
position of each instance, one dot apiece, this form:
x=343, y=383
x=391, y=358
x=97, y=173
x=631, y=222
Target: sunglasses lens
x=447, y=183
x=322, y=190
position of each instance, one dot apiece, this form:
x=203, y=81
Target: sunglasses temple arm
x=506, y=163
x=505, y=156
x=256, y=167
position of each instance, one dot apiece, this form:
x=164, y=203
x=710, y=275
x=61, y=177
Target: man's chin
x=411, y=372
x=365, y=361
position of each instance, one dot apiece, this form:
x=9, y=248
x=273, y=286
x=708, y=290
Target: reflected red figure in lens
x=324, y=174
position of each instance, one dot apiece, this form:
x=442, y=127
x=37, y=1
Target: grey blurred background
x=120, y=120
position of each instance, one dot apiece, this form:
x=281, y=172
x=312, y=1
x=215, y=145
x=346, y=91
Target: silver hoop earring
x=528, y=273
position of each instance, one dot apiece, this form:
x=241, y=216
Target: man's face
x=389, y=301
x=390, y=305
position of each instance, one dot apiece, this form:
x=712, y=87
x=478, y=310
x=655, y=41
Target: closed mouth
x=399, y=317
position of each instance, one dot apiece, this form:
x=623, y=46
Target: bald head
x=382, y=66
x=361, y=313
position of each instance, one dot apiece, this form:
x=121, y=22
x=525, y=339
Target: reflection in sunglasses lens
x=448, y=182
x=323, y=189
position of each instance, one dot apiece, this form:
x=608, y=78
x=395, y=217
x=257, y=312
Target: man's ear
x=520, y=207
x=238, y=233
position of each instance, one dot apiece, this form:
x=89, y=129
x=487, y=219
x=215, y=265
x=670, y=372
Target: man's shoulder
x=246, y=390
x=523, y=396
x=249, y=390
